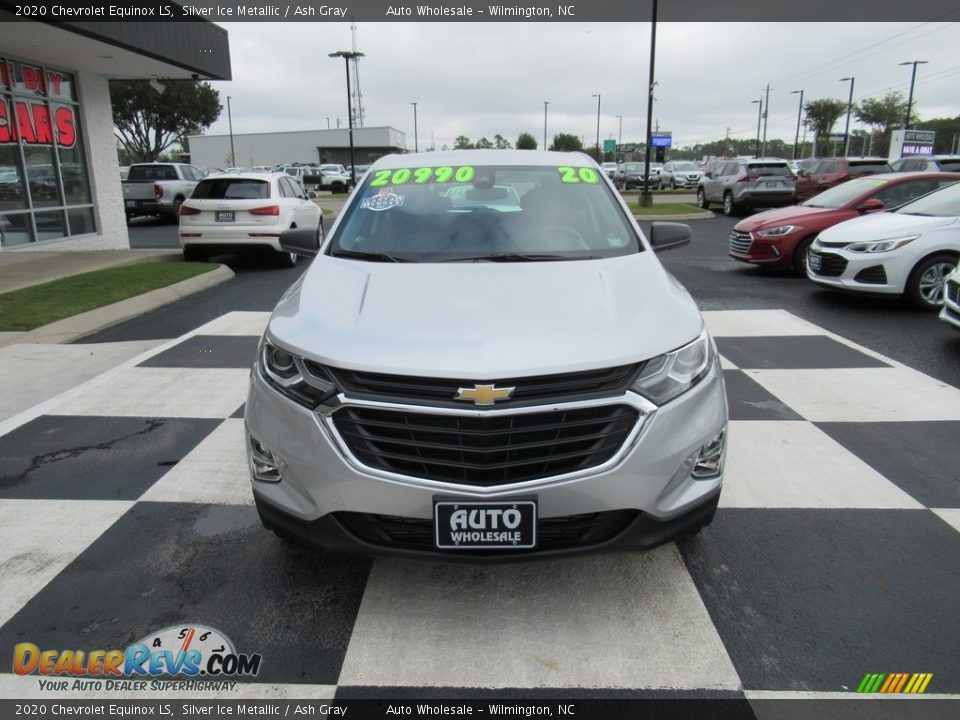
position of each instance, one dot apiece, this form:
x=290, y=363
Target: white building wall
x=213, y=151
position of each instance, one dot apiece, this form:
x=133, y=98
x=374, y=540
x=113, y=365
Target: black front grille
x=830, y=265
x=487, y=450
x=953, y=292
x=555, y=533
x=874, y=275
x=740, y=242
x=538, y=389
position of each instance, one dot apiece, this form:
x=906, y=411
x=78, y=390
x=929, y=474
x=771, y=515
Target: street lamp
x=619, y=137
x=913, y=77
x=646, y=198
x=416, y=148
x=233, y=157
x=347, y=57
x=846, y=133
x=796, y=138
x=545, y=103
x=597, y=96
x=759, y=118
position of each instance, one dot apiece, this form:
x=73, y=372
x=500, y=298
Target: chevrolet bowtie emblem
x=484, y=394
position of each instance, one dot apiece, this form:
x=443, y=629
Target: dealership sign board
x=28, y=116
x=907, y=143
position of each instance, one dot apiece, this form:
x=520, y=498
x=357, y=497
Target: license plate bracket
x=225, y=216
x=816, y=262
x=485, y=524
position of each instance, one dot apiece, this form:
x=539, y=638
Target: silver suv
x=486, y=360
x=679, y=174
x=739, y=185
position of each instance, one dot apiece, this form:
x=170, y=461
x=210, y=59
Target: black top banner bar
x=477, y=11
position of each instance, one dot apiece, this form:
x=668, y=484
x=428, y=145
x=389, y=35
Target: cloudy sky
x=479, y=79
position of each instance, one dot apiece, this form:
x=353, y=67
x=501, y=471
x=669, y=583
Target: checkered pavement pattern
x=125, y=508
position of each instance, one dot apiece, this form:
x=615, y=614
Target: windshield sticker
x=577, y=175
x=422, y=176
x=383, y=200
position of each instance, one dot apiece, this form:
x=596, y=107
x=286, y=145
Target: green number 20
x=576, y=175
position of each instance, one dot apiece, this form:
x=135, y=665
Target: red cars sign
x=33, y=124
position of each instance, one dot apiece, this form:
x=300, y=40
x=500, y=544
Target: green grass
x=38, y=305
x=665, y=209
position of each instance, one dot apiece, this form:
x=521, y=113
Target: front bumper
x=951, y=302
x=650, y=476
x=230, y=238
x=874, y=273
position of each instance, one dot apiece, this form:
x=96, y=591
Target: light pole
x=416, y=148
x=328, y=123
x=545, y=103
x=846, y=132
x=619, y=138
x=597, y=96
x=796, y=138
x=233, y=156
x=759, y=118
x=347, y=57
x=913, y=78
x=646, y=198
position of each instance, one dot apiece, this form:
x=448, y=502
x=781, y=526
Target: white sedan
x=241, y=212
x=951, y=300
x=909, y=251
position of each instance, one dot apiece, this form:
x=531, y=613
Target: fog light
x=709, y=462
x=266, y=465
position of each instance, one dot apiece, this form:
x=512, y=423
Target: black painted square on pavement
x=921, y=458
x=238, y=413
x=792, y=352
x=815, y=599
x=166, y=564
x=208, y=351
x=749, y=400
x=65, y=457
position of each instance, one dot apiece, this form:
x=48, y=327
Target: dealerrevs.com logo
x=182, y=652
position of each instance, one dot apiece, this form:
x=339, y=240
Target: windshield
x=840, y=195
x=941, y=203
x=633, y=167
x=231, y=189
x=685, y=166
x=506, y=213
x=761, y=169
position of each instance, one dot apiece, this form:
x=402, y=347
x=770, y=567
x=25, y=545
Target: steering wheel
x=559, y=237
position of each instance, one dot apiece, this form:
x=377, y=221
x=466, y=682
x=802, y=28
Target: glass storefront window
x=43, y=165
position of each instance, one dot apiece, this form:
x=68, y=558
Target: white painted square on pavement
x=789, y=464
x=161, y=392
x=757, y=323
x=238, y=322
x=951, y=516
x=579, y=622
x=215, y=471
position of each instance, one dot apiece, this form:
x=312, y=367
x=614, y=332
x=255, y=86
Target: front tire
x=800, y=255
x=925, y=284
x=702, y=201
x=729, y=208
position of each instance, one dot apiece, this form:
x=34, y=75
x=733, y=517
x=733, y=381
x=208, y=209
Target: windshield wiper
x=513, y=257
x=371, y=256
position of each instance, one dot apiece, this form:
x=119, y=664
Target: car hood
x=795, y=214
x=485, y=320
x=882, y=226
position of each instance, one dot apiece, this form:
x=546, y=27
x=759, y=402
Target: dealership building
x=59, y=175
x=307, y=147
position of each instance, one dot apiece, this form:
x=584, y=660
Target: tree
x=147, y=122
x=823, y=114
x=484, y=144
x=501, y=143
x=882, y=115
x=566, y=142
x=526, y=141
x=462, y=143
x=947, y=130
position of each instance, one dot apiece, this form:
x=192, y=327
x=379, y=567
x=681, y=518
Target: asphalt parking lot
x=834, y=552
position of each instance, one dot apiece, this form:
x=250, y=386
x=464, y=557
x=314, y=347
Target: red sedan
x=781, y=237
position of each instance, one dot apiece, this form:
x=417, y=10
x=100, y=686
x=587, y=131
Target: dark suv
x=739, y=185
x=826, y=173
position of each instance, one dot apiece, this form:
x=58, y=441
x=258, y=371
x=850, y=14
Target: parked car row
x=886, y=234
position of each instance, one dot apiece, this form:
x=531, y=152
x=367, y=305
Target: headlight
x=880, y=245
x=303, y=381
x=665, y=377
x=778, y=231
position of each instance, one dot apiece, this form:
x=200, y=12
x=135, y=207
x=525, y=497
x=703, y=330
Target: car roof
x=484, y=157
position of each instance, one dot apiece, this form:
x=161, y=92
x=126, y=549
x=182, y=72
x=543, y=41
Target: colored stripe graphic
x=913, y=683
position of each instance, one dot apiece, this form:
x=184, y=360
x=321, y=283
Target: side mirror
x=663, y=235
x=302, y=241
x=708, y=174
x=871, y=205
x=312, y=195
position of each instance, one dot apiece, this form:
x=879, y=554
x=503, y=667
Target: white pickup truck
x=158, y=188
x=326, y=177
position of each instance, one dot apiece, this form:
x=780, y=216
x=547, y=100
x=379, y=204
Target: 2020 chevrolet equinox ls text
x=486, y=360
